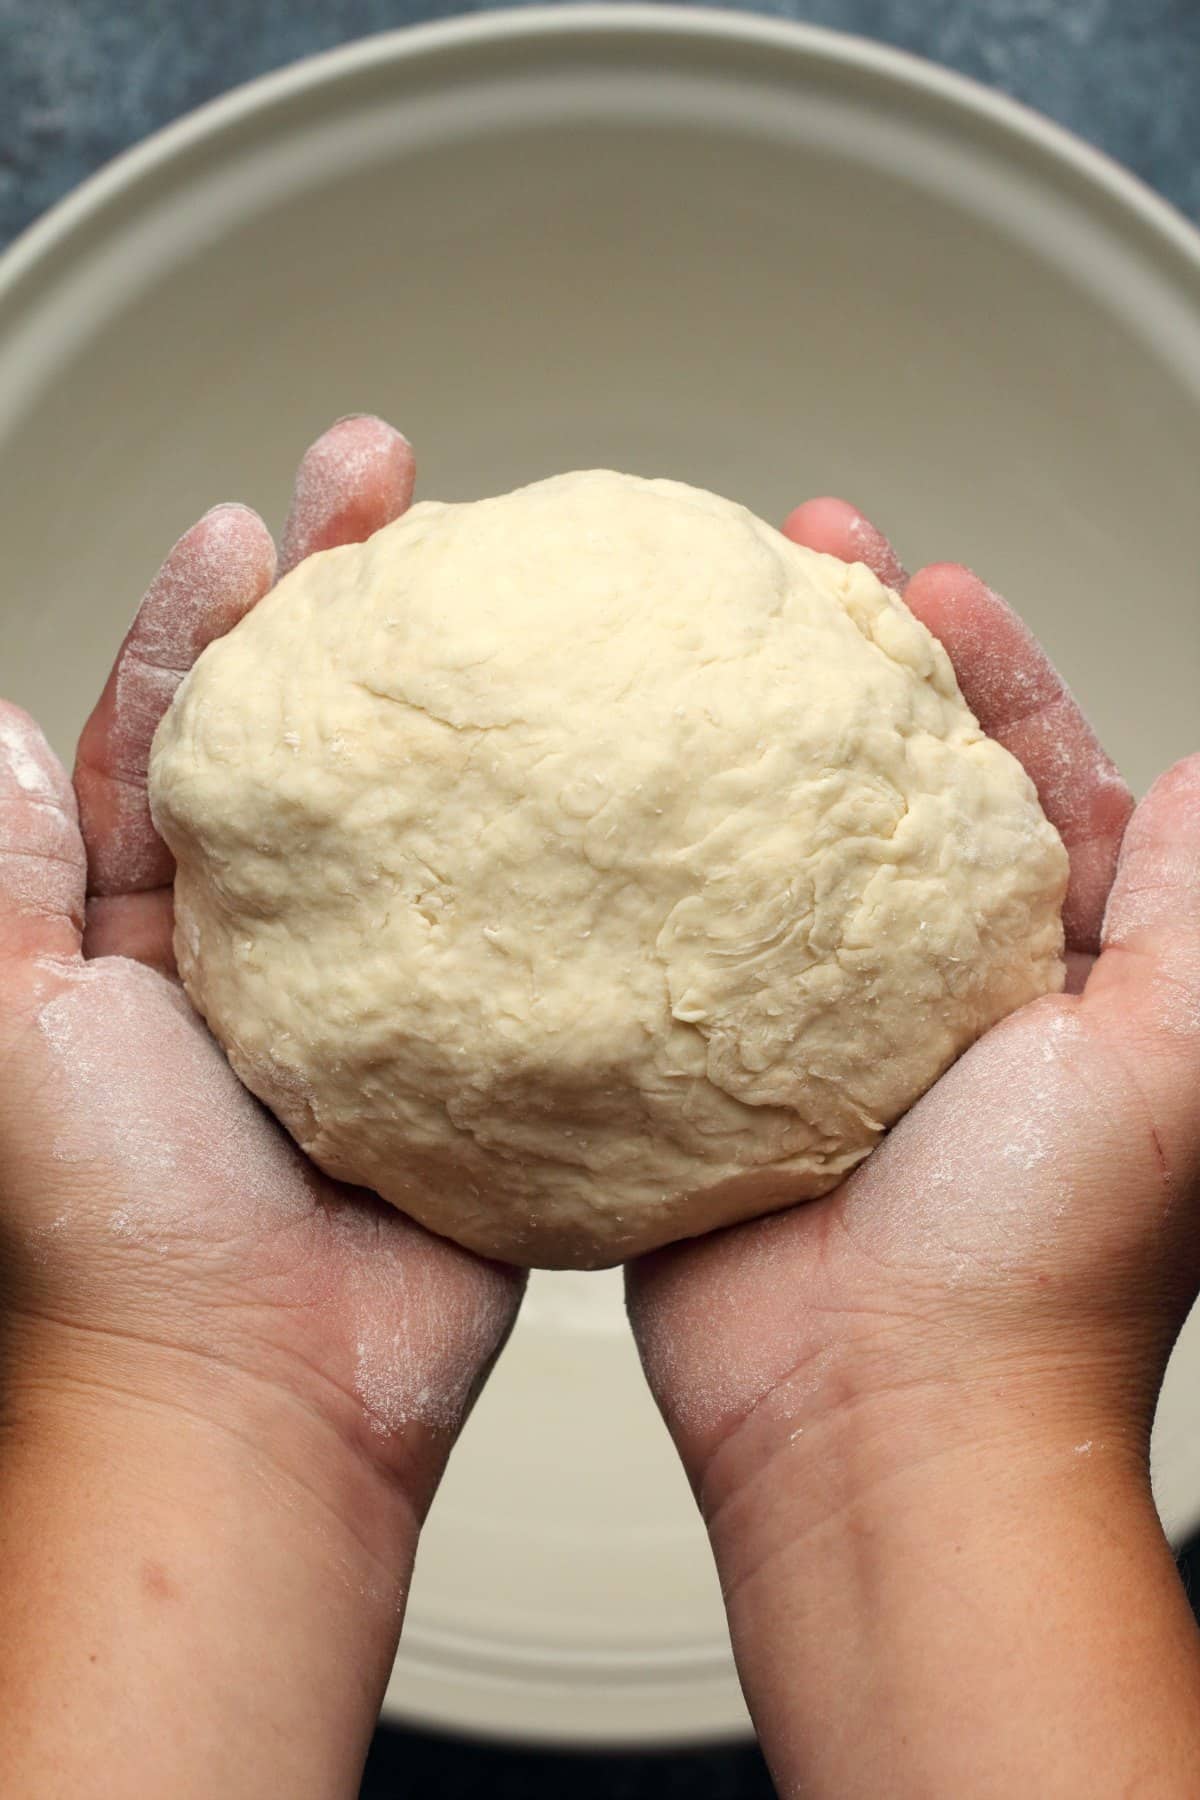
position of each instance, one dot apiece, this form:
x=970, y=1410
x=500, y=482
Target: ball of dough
x=591, y=866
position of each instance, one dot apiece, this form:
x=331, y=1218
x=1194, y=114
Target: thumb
x=43, y=871
x=1146, y=985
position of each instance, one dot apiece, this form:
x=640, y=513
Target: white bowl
x=762, y=258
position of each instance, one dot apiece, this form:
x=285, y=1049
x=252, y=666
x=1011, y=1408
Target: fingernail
x=371, y=419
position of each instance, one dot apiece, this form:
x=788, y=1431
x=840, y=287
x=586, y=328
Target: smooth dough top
x=590, y=866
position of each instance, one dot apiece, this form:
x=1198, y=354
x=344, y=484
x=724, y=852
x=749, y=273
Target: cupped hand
x=158, y=1227
x=1033, y=1224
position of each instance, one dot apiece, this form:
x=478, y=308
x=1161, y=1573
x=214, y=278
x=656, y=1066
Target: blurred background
x=80, y=80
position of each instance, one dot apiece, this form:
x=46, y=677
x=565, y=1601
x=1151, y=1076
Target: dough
x=588, y=867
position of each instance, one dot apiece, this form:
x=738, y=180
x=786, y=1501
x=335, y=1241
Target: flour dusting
x=968, y=1181
x=428, y=1321
x=1020, y=699
x=149, y=1100
x=873, y=548
x=213, y=575
x=25, y=759
x=1158, y=877
x=732, y=1290
x=41, y=855
x=358, y=455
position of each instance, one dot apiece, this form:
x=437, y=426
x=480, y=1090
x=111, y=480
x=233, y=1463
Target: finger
x=356, y=478
x=1147, y=981
x=1080, y=964
x=139, y=926
x=1153, y=912
x=217, y=571
x=42, y=864
x=1014, y=691
x=1155, y=901
x=840, y=530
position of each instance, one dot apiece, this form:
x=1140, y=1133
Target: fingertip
x=236, y=514
x=935, y=577
x=373, y=421
x=952, y=574
x=944, y=591
x=18, y=728
x=230, y=548
x=1157, y=885
x=213, y=576
x=357, y=477
x=1178, y=789
x=838, y=529
x=822, y=523
x=29, y=769
x=42, y=865
x=1167, y=821
x=230, y=506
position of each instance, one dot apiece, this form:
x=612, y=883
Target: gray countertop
x=80, y=80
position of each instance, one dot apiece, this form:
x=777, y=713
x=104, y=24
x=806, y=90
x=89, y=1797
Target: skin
x=184, y=1351
x=924, y=1460
x=915, y=1413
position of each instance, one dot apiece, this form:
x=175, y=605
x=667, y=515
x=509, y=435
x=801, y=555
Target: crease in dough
x=591, y=866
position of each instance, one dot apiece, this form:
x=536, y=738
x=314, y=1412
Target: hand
x=971, y=1331
x=190, y=1307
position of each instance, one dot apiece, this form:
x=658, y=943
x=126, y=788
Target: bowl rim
x=63, y=232
x=128, y=169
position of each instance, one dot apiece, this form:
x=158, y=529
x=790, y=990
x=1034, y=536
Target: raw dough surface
x=591, y=866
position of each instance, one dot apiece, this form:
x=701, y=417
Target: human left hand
x=226, y=1376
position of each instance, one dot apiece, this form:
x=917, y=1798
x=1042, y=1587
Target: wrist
x=953, y=1587
x=133, y=1405
x=873, y=1460
x=849, y=1430
x=198, y=1553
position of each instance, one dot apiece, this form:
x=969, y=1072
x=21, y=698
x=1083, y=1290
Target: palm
x=1000, y=1166
x=1037, y=1183
x=177, y=1186
x=1028, y=1170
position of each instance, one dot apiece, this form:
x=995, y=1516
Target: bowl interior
x=759, y=260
